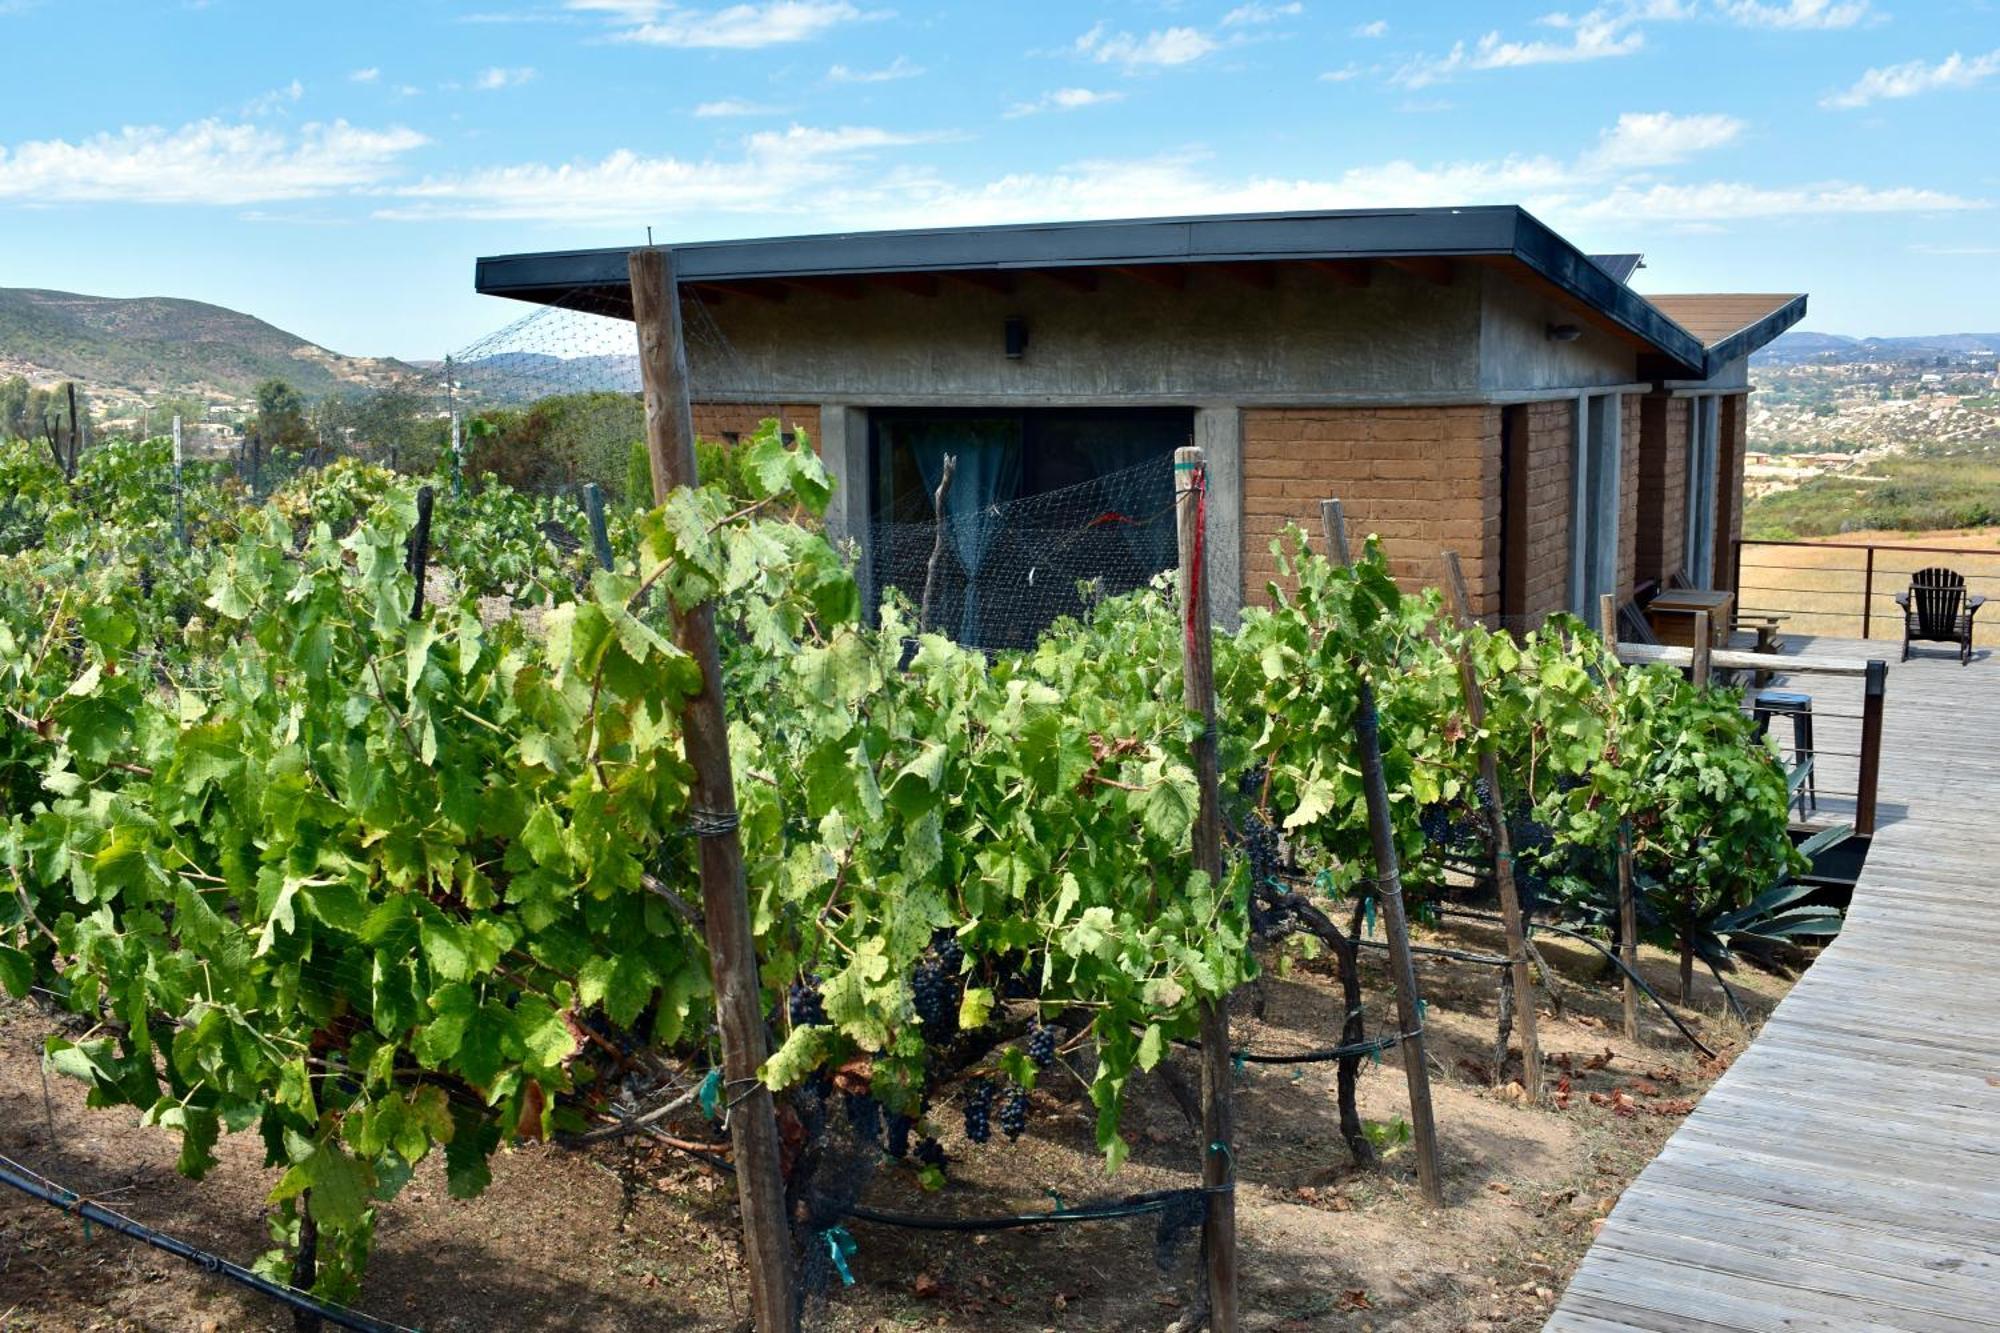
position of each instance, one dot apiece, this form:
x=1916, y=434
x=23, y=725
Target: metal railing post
x=1868, y=591
x=1875, y=683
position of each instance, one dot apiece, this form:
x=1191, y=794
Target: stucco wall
x=1516, y=352
x=720, y=421
x=1423, y=479
x=1663, y=459
x=1628, y=492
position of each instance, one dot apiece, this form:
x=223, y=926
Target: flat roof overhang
x=1345, y=242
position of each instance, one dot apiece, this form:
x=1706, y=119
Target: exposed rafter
x=1170, y=277
x=1430, y=268
x=1346, y=272
x=1076, y=279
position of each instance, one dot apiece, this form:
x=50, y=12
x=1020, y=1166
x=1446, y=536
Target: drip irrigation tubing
x=1638, y=980
x=1135, y=1205
x=37, y=1186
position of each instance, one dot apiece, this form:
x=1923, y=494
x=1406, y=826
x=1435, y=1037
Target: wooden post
x=1874, y=686
x=600, y=536
x=1218, y=1234
x=1703, y=650
x=1867, y=591
x=1389, y=892
x=420, y=547
x=180, y=513
x=753, y=1126
x=1511, y=916
x=1628, y=904
x=945, y=475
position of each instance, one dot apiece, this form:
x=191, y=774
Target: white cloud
x=734, y=106
x=1256, y=12
x=899, y=68
x=1914, y=76
x=1063, y=99
x=1379, y=28
x=779, y=171
x=1157, y=49
x=1341, y=75
x=368, y=75
x=275, y=100
x=1658, y=138
x=495, y=78
x=1600, y=34
x=1795, y=14
x=735, y=27
x=207, y=162
x=1722, y=200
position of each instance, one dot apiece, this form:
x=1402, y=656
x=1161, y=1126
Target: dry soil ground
x=559, y=1243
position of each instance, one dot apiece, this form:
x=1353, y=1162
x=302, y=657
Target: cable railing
x=1848, y=589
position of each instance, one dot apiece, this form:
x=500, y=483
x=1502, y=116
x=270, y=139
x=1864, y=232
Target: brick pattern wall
x=1551, y=437
x=1629, y=408
x=719, y=421
x=1663, y=444
x=1421, y=478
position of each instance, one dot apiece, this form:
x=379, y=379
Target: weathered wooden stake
x=420, y=548
x=1218, y=1129
x=1628, y=904
x=180, y=513
x=305, y=1264
x=753, y=1126
x=1514, y=921
x=593, y=511
x=949, y=470
x=1389, y=892
x=75, y=434
x=1703, y=652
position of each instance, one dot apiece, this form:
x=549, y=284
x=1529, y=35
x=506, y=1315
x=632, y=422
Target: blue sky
x=336, y=168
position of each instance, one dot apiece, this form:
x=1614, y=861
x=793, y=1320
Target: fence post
x=1511, y=916
x=1218, y=1129
x=420, y=547
x=753, y=1125
x=1389, y=892
x=1628, y=905
x=1702, y=664
x=593, y=511
x=1874, y=686
x=1868, y=591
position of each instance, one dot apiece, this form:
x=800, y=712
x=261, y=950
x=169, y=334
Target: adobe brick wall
x=1550, y=439
x=1421, y=478
x=718, y=421
x=1629, y=410
x=1734, y=430
x=1663, y=442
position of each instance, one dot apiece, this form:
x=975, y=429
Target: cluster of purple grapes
x=804, y=1003
x=1041, y=1045
x=978, y=1107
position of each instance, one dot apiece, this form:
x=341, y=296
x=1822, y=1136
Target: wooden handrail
x=1727, y=659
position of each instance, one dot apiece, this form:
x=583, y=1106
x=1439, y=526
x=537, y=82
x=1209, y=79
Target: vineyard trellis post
x=1218, y=1168
x=1628, y=900
x=420, y=548
x=1389, y=893
x=753, y=1126
x=180, y=510
x=1512, y=918
x=593, y=512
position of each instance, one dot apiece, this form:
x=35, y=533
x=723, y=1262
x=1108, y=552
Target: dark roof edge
x=1753, y=336
x=1555, y=259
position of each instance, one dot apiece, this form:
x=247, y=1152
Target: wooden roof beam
x=1346, y=272
x=916, y=284
x=842, y=289
x=1169, y=277
x=986, y=279
x=1430, y=268
x=1076, y=279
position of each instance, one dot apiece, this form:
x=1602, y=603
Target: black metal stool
x=1767, y=704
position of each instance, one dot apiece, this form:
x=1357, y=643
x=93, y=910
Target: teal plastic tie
x=1237, y=1063
x=840, y=1247
x=711, y=1093
x=1368, y=915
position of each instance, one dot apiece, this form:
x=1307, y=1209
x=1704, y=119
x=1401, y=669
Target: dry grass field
x=1820, y=585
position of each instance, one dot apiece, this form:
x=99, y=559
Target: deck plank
x=1845, y=1172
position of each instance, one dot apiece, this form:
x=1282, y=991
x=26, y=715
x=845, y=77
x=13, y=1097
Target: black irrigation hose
x=1640, y=981
x=36, y=1186
x=1455, y=955
x=1135, y=1205
x=1321, y=1055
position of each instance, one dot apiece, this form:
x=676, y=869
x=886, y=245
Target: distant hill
x=131, y=348
x=1802, y=345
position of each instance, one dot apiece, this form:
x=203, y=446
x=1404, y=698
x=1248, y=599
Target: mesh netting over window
x=1005, y=571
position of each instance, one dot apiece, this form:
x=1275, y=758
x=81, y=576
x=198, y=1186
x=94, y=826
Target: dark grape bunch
x=865, y=1114
x=1041, y=1045
x=978, y=1107
x=1014, y=1113
x=1436, y=823
x=1482, y=796
x=944, y=943
x=930, y=1152
x=1260, y=848
x=897, y=1140
x=930, y=991
x=805, y=1005
x=1250, y=782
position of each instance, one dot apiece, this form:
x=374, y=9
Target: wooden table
x=1671, y=614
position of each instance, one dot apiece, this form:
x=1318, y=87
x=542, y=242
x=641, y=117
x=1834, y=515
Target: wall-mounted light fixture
x=1564, y=333
x=1015, y=337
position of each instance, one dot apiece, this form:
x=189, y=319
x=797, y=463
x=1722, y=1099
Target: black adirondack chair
x=1937, y=610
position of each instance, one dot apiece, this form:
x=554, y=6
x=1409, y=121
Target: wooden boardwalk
x=1845, y=1172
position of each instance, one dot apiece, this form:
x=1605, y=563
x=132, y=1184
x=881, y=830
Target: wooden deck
x=1845, y=1172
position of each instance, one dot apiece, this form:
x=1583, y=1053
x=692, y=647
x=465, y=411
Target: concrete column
x=1218, y=432
x=843, y=447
